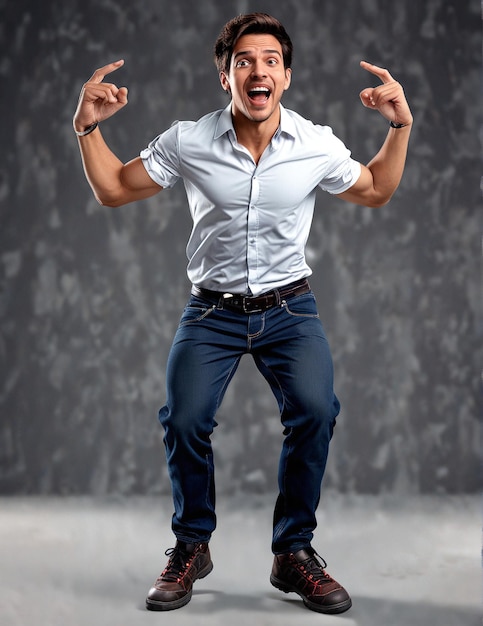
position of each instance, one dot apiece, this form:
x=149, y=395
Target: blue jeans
x=289, y=347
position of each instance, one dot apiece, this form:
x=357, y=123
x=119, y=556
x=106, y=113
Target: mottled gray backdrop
x=90, y=296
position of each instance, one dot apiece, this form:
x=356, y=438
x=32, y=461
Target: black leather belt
x=253, y=304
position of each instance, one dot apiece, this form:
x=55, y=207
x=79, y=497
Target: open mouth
x=259, y=95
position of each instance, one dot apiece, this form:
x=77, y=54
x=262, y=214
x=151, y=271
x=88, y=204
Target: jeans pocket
x=195, y=312
x=301, y=306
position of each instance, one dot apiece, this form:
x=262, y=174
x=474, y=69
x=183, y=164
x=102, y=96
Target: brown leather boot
x=303, y=573
x=174, y=586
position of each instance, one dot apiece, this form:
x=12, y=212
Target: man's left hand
x=388, y=98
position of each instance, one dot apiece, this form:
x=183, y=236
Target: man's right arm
x=113, y=182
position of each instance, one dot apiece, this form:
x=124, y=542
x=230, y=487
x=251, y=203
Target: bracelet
x=88, y=130
x=395, y=125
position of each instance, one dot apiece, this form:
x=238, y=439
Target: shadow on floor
x=364, y=612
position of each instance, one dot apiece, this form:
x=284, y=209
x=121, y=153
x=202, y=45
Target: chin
x=261, y=116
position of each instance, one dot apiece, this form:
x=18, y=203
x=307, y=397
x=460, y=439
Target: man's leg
x=294, y=356
x=201, y=363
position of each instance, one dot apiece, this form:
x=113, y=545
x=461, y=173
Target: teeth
x=261, y=90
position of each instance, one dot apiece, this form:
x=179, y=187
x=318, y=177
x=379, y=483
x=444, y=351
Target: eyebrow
x=247, y=52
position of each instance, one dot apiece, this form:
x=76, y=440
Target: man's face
x=257, y=77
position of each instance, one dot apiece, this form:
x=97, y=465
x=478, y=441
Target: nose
x=259, y=69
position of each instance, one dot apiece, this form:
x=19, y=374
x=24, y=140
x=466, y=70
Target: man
x=251, y=173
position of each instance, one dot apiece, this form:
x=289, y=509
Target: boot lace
x=178, y=564
x=314, y=569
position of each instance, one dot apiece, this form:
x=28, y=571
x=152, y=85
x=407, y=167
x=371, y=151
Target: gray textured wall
x=90, y=296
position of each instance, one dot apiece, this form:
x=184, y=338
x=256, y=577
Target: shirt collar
x=225, y=123
x=287, y=125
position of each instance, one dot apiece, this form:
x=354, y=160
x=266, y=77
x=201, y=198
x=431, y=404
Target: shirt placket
x=253, y=228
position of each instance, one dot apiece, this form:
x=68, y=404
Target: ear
x=225, y=83
x=288, y=78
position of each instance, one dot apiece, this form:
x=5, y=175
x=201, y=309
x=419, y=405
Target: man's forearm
x=102, y=168
x=387, y=166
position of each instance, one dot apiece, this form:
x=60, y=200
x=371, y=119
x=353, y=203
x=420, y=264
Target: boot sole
x=340, y=607
x=157, y=605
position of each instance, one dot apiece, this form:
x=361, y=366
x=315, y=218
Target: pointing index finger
x=100, y=73
x=380, y=72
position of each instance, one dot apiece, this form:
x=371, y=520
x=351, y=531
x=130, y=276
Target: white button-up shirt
x=250, y=221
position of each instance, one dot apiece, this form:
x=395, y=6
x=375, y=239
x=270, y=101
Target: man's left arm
x=380, y=178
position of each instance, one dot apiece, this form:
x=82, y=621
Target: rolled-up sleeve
x=341, y=171
x=342, y=177
x=161, y=157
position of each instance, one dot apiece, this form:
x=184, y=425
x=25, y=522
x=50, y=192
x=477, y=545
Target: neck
x=255, y=135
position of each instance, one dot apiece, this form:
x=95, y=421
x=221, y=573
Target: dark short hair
x=260, y=23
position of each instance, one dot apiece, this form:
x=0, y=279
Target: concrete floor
x=89, y=562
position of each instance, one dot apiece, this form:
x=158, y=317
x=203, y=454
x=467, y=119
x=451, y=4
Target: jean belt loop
x=277, y=297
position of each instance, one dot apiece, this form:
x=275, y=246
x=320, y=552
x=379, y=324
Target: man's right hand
x=99, y=100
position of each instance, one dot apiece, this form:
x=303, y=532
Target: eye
x=272, y=61
x=242, y=63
